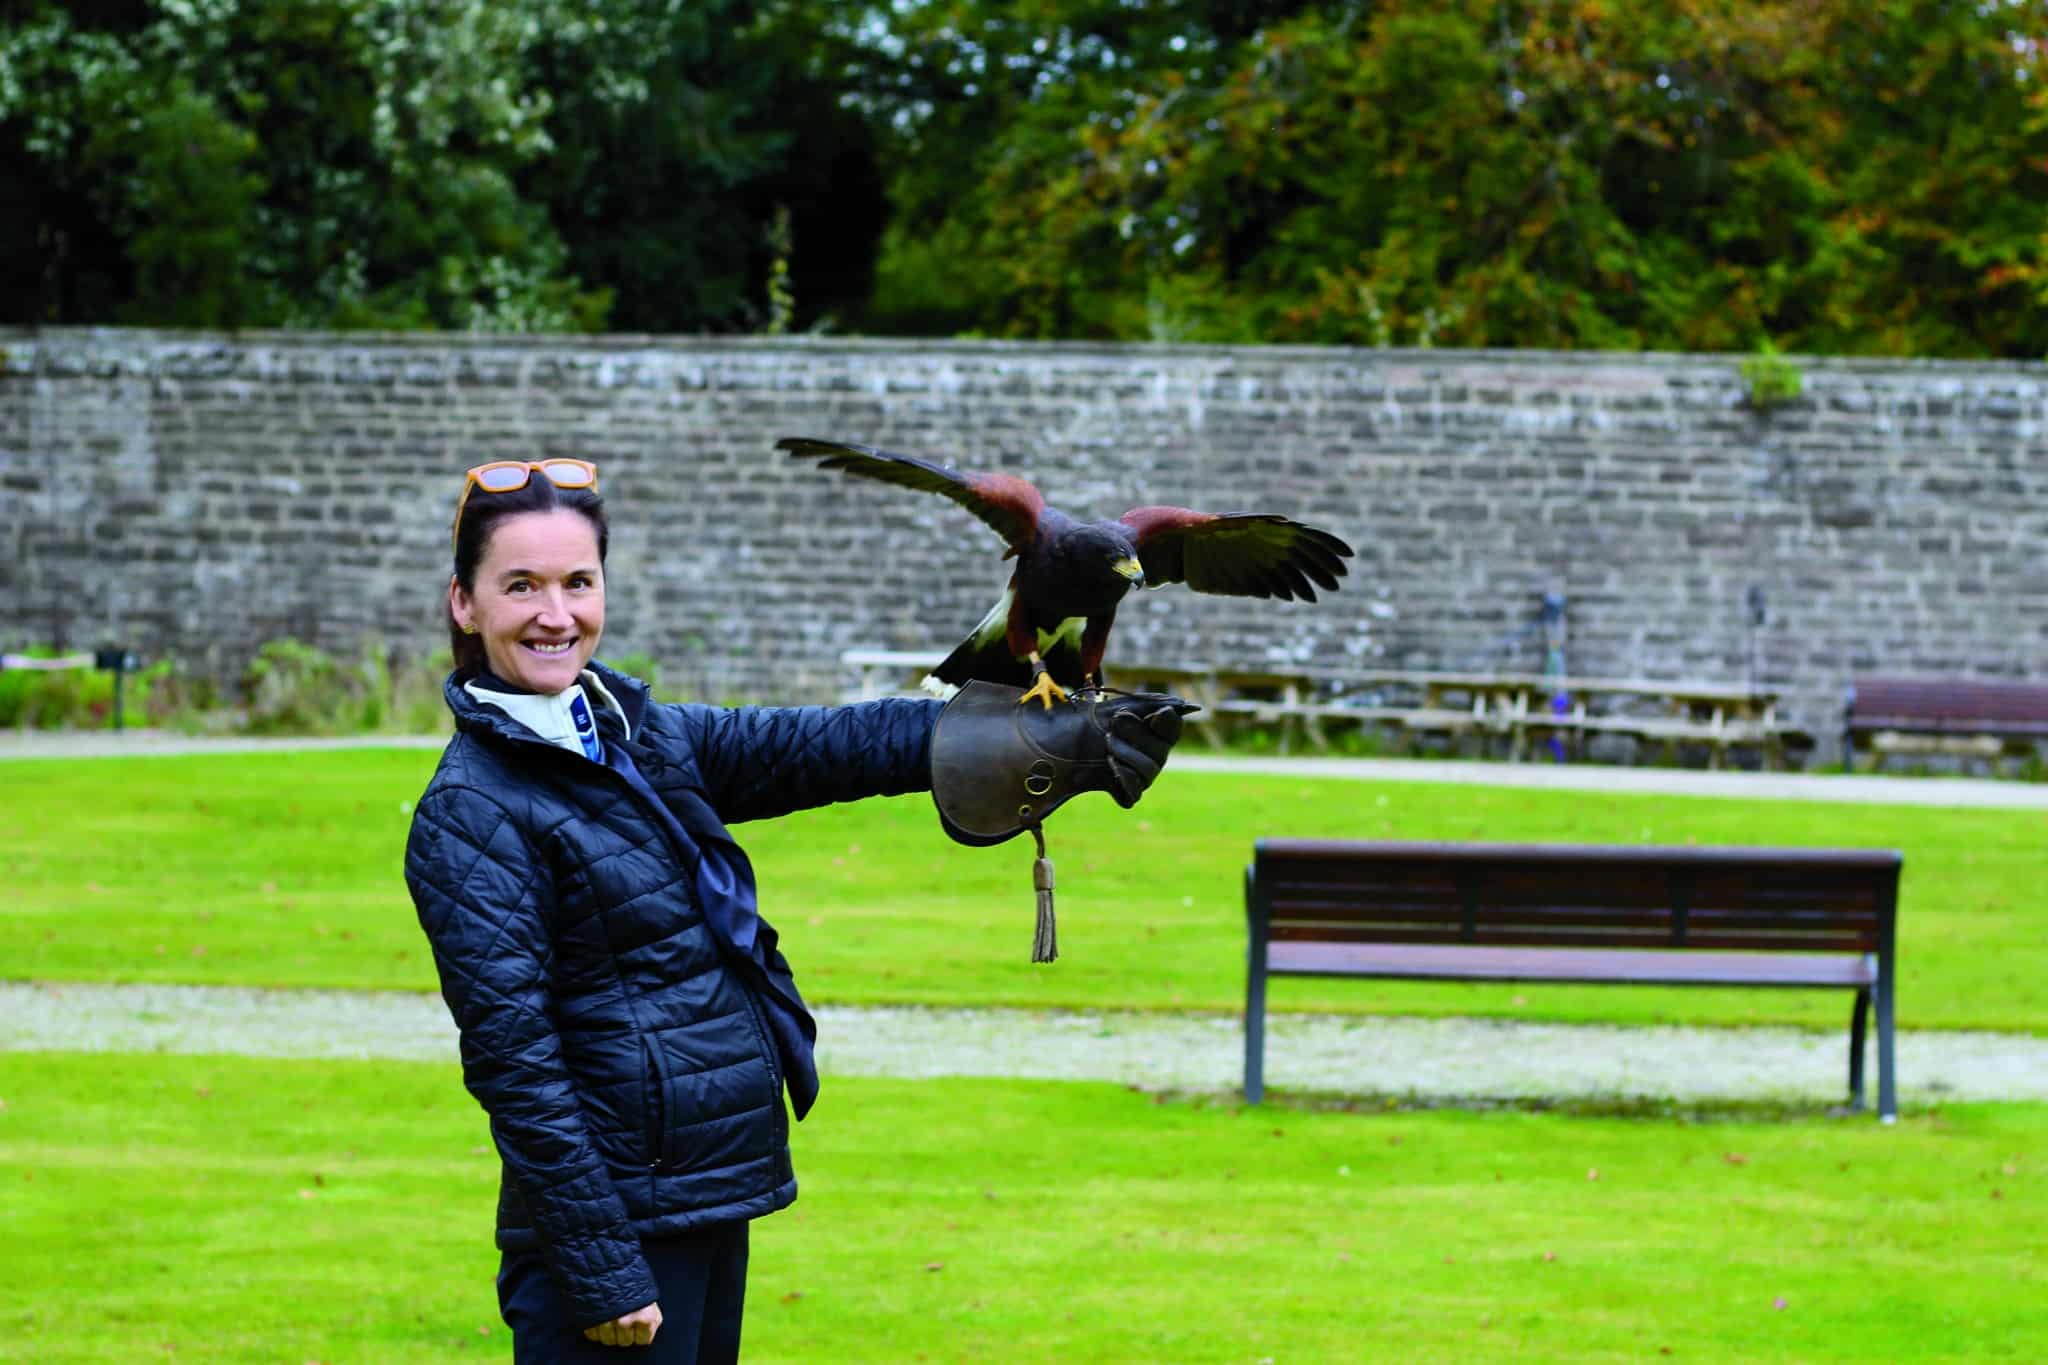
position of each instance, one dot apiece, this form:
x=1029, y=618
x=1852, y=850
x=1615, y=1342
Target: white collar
x=562, y=718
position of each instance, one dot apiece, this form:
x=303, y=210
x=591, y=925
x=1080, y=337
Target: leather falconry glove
x=999, y=769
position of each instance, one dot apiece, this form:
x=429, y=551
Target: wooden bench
x=1705, y=916
x=1981, y=719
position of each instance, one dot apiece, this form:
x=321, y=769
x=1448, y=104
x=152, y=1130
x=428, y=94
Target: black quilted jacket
x=632, y=1085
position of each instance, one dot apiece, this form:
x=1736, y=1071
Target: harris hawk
x=1051, y=626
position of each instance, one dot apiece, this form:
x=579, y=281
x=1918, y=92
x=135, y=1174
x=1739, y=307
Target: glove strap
x=1045, y=947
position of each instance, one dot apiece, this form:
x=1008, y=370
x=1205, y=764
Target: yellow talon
x=1044, y=689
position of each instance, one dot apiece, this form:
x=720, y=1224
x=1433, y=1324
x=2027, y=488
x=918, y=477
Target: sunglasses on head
x=509, y=476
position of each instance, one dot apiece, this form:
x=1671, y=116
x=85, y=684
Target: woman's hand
x=636, y=1328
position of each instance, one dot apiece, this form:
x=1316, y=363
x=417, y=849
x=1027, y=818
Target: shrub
x=72, y=698
x=292, y=688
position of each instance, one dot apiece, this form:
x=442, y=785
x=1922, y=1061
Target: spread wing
x=1238, y=554
x=1009, y=504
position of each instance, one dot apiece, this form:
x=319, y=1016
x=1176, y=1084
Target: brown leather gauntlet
x=999, y=768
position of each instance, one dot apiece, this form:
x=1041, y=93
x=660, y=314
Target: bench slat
x=1276, y=852
x=1647, y=966
x=1510, y=936
x=1551, y=916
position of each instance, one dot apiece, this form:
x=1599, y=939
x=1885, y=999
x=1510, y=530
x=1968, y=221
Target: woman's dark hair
x=480, y=517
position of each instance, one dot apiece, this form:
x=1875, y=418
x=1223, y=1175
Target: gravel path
x=1420, y=1057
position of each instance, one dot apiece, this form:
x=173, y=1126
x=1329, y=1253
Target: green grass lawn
x=237, y=1210
x=283, y=869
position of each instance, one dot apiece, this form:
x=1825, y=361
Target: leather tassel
x=1045, y=946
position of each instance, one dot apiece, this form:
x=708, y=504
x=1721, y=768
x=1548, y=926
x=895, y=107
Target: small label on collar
x=586, y=726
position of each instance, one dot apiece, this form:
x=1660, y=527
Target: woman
x=627, y=1019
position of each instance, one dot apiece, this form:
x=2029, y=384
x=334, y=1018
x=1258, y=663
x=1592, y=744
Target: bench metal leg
x=1857, y=1015
x=1255, y=1038
x=1254, y=992
x=1887, y=1090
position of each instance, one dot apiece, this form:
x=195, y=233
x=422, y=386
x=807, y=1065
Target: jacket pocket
x=654, y=1082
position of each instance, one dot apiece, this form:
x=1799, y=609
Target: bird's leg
x=1042, y=686
x=1094, y=640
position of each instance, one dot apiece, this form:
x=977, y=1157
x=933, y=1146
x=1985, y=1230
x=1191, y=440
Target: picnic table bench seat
x=1647, y=915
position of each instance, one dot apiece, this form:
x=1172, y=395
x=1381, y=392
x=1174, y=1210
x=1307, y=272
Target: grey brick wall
x=195, y=495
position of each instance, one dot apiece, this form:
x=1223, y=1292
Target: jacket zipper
x=658, y=1139
x=656, y=1136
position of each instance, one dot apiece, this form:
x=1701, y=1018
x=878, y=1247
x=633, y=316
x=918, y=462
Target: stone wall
x=194, y=495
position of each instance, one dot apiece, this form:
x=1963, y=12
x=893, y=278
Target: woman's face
x=539, y=599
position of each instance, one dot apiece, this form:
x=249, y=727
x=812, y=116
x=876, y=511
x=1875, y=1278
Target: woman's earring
x=469, y=629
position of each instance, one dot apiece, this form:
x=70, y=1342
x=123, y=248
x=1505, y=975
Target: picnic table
x=1514, y=711
x=1662, y=711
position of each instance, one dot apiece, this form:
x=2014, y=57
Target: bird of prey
x=1052, y=625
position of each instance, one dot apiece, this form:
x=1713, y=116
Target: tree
x=679, y=128
x=282, y=162
x=1704, y=174
x=522, y=165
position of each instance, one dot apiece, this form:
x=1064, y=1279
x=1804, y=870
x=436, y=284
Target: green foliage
x=292, y=688
x=1770, y=380
x=73, y=698
x=677, y=132
x=1845, y=177
x=340, y=163
x=647, y=670
x=531, y=165
x=781, y=298
x=1841, y=176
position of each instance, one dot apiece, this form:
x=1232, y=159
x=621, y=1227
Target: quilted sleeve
x=479, y=887
x=759, y=761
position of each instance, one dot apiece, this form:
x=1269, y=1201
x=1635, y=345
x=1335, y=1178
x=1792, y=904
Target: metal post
x=1757, y=619
x=1553, y=666
x=1887, y=974
x=1257, y=923
x=120, y=663
x=1849, y=728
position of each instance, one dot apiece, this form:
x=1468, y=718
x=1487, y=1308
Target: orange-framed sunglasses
x=509, y=476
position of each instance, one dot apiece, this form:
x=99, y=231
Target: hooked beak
x=1130, y=568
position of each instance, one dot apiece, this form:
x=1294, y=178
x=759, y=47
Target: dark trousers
x=702, y=1279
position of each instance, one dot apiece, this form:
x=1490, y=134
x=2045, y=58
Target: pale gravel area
x=1422, y=1058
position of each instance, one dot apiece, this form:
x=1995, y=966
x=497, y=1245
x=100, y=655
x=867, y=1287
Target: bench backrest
x=1948, y=703
x=1564, y=895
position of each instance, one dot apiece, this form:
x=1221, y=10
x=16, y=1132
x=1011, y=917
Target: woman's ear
x=459, y=605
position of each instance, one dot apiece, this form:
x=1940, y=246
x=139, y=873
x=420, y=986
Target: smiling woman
x=536, y=602
x=503, y=610
x=628, y=1020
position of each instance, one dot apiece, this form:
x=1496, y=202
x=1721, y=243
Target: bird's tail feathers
x=987, y=659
